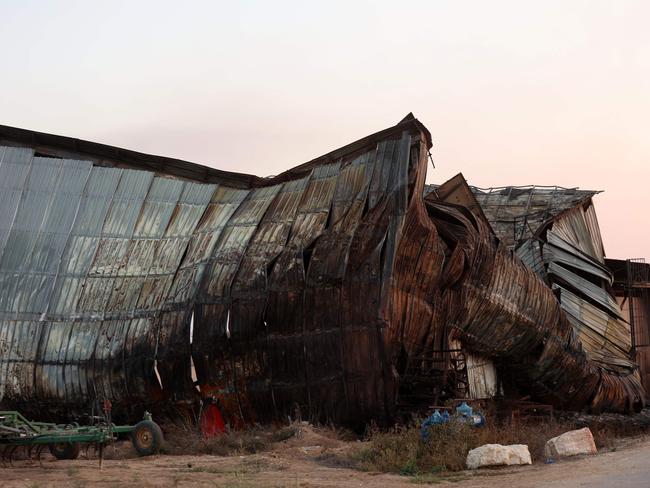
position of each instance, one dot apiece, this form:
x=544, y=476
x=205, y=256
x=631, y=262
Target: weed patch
x=401, y=450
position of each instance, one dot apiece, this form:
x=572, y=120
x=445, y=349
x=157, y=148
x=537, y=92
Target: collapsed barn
x=335, y=288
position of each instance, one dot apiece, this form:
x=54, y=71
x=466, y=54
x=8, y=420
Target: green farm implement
x=64, y=441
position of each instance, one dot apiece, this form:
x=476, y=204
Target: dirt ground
x=314, y=460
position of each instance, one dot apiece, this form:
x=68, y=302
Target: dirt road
x=315, y=466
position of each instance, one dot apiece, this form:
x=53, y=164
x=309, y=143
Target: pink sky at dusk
x=513, y=92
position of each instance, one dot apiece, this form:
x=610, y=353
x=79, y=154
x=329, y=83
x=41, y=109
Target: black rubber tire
x=147, y=438
x=65, y=450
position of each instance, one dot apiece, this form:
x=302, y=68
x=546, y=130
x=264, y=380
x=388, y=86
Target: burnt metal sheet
x=482, y=376
x=603, y=333
x=600, y=296
x=530, y=253
x=308, y=289
x=575, y=228
x=506, y=311
x=558, y=250
x=516, y=213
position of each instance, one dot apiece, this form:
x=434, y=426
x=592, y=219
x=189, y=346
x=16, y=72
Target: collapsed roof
x=136, y=278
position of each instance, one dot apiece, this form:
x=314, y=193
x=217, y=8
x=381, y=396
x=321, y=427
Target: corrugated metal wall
x=102, y=269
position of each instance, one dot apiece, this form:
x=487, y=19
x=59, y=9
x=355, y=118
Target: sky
x=513, y=92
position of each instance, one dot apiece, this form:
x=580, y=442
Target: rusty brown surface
x=502, y=309
x=310, y=291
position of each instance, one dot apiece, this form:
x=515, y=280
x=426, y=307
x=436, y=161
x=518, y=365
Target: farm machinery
x=64, y=441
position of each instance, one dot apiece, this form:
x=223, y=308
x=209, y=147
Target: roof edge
x=107, y=155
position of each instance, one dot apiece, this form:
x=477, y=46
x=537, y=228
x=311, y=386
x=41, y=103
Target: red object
x=212, y=423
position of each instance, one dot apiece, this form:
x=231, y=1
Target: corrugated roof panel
x=386, y=155
x=285, y=204
x=589, y=289
x=517, y=213
x=60, y=216
x=556, y=254
x=223, y=205
x=607, y=332
x=7, y=360
x=594, y=232
x=235, y=237
x=80, y=358
x=95, y=292
x=572, y=227
x=313, y=211
x=352, y=185
x=250, y=287
x=140, y=257
x=13, y=176
x=19, y=360
x=20, y=155
x=127, y=203
x=33, y=293
x=189, y=209
x=531, y=254
x=158, y=207
x=96, y=201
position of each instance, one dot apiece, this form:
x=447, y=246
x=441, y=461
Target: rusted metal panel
x=530, y=253
x=558, y=250
x=517, y=212
x=506, y=311
x=604, y=299
x=574, y=228
x=308, y=290
x=605, y=332
x=482, y=376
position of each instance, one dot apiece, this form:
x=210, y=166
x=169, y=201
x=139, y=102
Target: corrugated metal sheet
x=575, y=228
x=307, y=289
x=558, y=250
x=530, y=253
x=84, y=244
x=517, y=212
x=600, y=332
x=504, y=310
x=482, y=376
x=115, y=261
x=587, y=288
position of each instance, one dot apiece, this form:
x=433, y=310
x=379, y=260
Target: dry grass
x=182, y=440
x=401, y=450
x=397, y=450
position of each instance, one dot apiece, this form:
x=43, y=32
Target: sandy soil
x=313, y=460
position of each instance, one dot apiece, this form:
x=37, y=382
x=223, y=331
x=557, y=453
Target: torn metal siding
x=482, y=376
x=499, y=308
x=557, y=250
x=587, y=288
x=306, y=290
x=517, y=212
x=136, y=253
x=555, y=232
x=530, y=253
x=579, y=227
x=83, y=244
x=604, y=336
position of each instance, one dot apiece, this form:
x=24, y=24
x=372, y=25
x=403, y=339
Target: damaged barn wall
x=115, y=261
x=555, y=232
x=308, y=291
x=501, y=309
